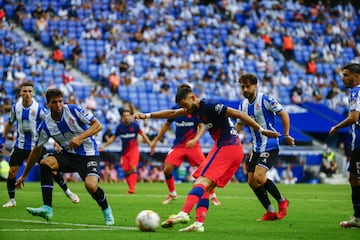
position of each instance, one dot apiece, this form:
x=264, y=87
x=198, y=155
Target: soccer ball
x=147, y=220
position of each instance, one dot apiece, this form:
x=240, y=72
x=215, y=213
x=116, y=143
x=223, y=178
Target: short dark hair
x=182, y=93
x=352, y=67
x=51, y=93
x=126, y=110
x=183, y=85
x=27, y=84
x=248, y=77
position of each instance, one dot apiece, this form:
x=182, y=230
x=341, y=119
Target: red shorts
x=130, y=158
x=194, y=155
x=221, y=164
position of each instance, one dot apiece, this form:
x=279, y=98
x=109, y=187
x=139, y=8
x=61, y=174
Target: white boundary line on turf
x=56, y=229
x=88, y=226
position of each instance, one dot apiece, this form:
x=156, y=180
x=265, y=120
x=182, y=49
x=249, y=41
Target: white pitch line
x=88, y=226
x=56, y=229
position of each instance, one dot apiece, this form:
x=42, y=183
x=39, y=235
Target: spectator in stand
x=76, y=53
x=287, y=176
x=29, y=48
x=41, y=25
x=90, y=102
x=109, y=173
x=63, y=12
x=37, y=69
x=96, y=33
x=328, y=164
x=114, y=82
x=38, y=11
x=144, y=173
x=20, y=12
x=273, y=175
x=50, y=12
x=311, y=67
x=2, y=14
x=288, y=47
x=72, y=13
x=57, y=56
x=67, y=76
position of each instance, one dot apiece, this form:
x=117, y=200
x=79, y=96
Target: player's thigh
x=195, y=156
x=175, y=156
x=267, y=159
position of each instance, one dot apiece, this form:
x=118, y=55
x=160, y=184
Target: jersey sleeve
x=12, y=116
x=43, y=134
x=84, y=115
x=355, y=100
x=272, y=104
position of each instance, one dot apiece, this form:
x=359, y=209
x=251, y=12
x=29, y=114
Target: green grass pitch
x=314, y=213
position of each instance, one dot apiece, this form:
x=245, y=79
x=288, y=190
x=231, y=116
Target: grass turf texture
x=314, y=213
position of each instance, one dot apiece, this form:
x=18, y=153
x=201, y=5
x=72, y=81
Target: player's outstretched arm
x=169, y=113
x=233, y=113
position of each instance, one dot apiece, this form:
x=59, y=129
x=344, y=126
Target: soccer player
x=189, y=129
x=223, y=160
x=263, y=108
x=73, y=128
x=27, y=114
x=130, y=155
x=351, y=79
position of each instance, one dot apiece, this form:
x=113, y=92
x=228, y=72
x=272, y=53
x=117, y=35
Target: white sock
x=173, y=193
x=198, y=224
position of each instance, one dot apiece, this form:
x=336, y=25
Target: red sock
x=202, y=208
x=131, y=181
x=171, y=184
x=193, y=197
x=212, y=191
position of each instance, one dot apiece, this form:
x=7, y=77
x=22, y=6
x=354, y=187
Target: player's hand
x=138, y=116
x=75, y=142
x=20, y=183
x=289, y=140
x=101, y=149
x=191, y=143
x=270, y=134
x=152, y=148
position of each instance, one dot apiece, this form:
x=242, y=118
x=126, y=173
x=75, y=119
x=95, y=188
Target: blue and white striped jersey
x=74, y=121
x=354, y=105
x=263, y=111
x=27, y=121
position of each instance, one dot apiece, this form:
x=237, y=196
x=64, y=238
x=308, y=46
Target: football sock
x=47, y=184
x=261, y=194
x=100, y=198
x=170, y=182
x=202, y=208
x=193, y=197
x=11, y=187
x=59, y=179
x=212, y=193
x=355, y=196
x=273, y=190
x=131, y=181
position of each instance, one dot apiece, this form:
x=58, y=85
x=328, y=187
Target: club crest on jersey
x=71, y=121
x=257, y=106
x=33, y=113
